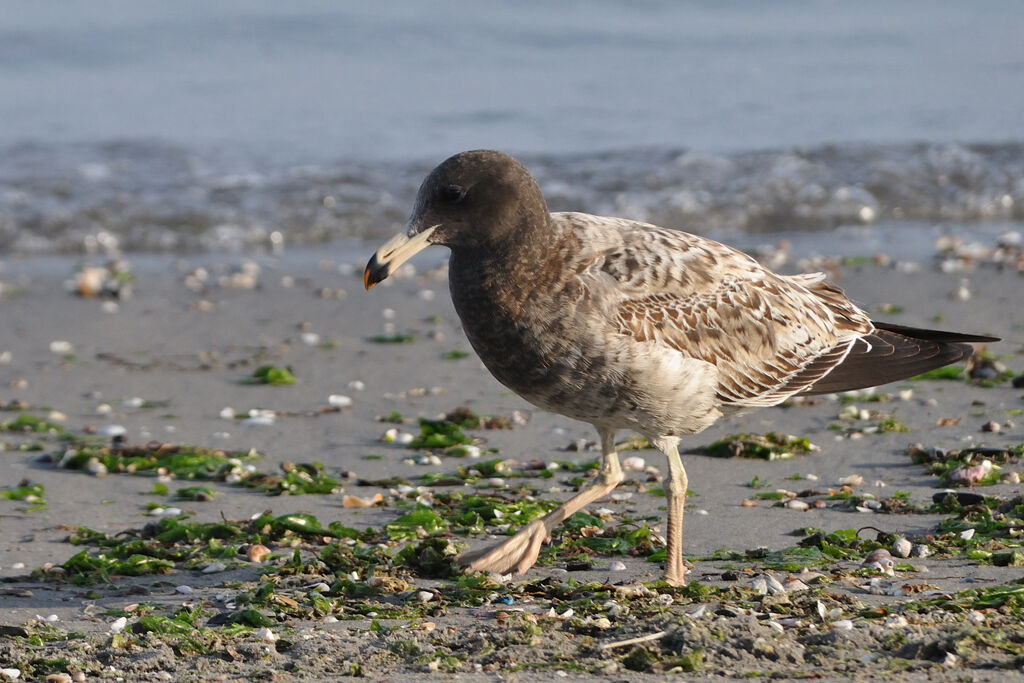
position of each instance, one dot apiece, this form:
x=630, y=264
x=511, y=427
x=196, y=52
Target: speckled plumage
x=627, y=325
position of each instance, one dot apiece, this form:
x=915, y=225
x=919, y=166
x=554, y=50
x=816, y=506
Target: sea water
x=208, y=126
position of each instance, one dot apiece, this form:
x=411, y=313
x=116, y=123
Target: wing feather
x=769, y=336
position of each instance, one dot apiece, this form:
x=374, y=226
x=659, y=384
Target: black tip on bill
x=374, y=273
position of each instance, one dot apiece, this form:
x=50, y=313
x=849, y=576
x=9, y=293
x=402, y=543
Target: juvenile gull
x=626, y=325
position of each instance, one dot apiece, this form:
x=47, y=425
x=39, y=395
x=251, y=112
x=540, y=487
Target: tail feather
x=894, y=352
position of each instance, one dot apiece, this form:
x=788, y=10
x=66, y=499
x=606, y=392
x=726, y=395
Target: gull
x=626, y=325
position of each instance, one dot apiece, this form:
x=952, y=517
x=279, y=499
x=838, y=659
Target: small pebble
x=95, y=467
x=58, y=678
x=992, y=426
x=920, y=551
x=796, y=504
x=10, y=674
x=634, y=462
x=901, y=547
x=265, y=634
x=257, y=552
x=793, y=585
x=111, y=431
x=617, y=566
x=339, y=401
x=774, y=587
x=118, y=624
x=61, y=347
x=214, y=567
x=183, y=589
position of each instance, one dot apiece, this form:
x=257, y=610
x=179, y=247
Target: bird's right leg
x=521, y=551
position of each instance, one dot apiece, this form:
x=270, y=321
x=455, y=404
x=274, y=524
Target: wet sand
x=186, y=347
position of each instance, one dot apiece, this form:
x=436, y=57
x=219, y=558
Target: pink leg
x=675, y=570
x=520, y=552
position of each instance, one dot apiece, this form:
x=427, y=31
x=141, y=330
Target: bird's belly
x=612, y=381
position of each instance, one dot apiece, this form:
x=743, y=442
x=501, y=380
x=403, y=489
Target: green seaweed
x=949, y=372
x=392, y=339
x=271, y=374
x=31, y=424
x=770, y=446
x=416, y=524
x=439, y=434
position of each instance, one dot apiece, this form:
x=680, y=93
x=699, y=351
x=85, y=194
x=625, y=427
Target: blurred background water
x=198, y=125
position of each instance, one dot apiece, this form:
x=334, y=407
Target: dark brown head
x=473, y=200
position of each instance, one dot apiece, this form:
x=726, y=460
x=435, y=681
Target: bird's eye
x=453, y=193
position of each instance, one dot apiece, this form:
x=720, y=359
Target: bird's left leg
x=520, y=552
x=675, y=570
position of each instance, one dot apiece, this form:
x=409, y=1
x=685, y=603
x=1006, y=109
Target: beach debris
x=880, y=560
x=901, y=547
x=350, y=501
x=260, y=418
x=113, y=280
x=921, y=551
x=972, y=466
x=852, y=480
x=243, y=276
x=118, y=625
x=983, y=368
x=992, y=427
x=769, y=446
x=61, y=347
x=111, y=431
x=339, y=401
x=257, y=552
x=265, y=634
x=634, y=463
x=970, y=475
x=271, y=374
x=963, y=291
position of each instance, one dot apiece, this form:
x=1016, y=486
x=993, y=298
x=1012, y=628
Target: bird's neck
x=507, y=275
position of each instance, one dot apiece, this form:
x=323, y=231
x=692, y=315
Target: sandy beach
x=172, y=366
